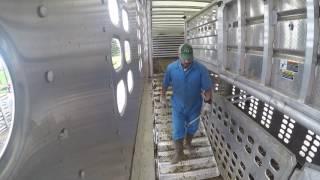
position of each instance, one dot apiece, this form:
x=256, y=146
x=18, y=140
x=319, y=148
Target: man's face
x=186, y=63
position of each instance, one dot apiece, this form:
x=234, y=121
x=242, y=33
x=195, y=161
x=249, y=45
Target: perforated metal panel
x=202, y=34
x=267, y=53
x=243, y=149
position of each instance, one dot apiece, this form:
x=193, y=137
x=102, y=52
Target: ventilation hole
x=231, y=169
x=222, y=138
x=258, y=160
x=219, y=116
x=226, y=115
x=251, y=177
x=235, y=155
x=248, y=149
x=225, y=123
x=233, y=122
x=116, y=54
x=221, y=144
x=240, y=172
x=228, y=146
x=216, y=137
x=214, y=111
x=233, y=162
x=269, y=175
x=229, y=175
x=220, y=151
x=231, y=131
x=239, y=139
x=219, y=157
x=227, y=153
x=241, y=130
x=218, y=131
x=220, y=109
x=261, y=151
x=224, y=165
x=237, y=178
x=274, y=164
x=215, y=143
x=225, y=159
x=250, y=140
x=243, y=166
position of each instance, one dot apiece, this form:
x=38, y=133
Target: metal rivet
x=42, y=11
x=49, y=76
x=82, y=174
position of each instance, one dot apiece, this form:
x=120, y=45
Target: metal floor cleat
x=200, y=163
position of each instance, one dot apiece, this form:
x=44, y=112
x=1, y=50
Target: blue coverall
x=186, y=99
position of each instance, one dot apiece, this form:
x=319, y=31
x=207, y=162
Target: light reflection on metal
x=125, y=20
x=7, y=106
x=127, y=51
x=130, y=81
x=121, y=97
x=114, y=11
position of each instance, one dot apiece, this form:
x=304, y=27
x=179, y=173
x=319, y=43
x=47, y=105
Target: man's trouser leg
x=191, y=129
x=178, y=133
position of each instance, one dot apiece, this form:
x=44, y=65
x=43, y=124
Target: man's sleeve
x=206, y=82
x=166, y=78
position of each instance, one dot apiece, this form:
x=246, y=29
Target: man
x=190, y=81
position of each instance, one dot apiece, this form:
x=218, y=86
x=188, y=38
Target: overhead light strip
x=175, y=9
x=179, y=3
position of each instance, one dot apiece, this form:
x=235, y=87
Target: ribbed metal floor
x=200, y=164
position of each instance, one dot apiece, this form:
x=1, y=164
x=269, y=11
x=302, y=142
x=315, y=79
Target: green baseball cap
x=186, y=52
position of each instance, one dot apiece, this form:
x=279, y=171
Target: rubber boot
x=189, y=146
x=179, y=155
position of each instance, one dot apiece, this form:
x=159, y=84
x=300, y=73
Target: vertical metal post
x=185, y=32
x=149, y=29
x=222, y=38
x=311, y=50
x=269, y=28
x=241, y=39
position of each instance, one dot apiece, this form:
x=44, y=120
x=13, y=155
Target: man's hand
x=206, y=109
x=163, y=101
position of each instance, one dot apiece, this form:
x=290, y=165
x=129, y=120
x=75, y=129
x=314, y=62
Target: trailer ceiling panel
x=170, y=15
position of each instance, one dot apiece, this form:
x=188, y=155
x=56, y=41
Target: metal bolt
x=42, y=11
x=49, y=76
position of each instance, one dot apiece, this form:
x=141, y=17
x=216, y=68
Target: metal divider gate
x=263, y=58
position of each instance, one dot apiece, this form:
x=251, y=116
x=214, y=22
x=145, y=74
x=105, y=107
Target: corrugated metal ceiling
x=167, y=16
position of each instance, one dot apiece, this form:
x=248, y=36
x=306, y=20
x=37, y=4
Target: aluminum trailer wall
x=67, y=124
x=264, y=61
